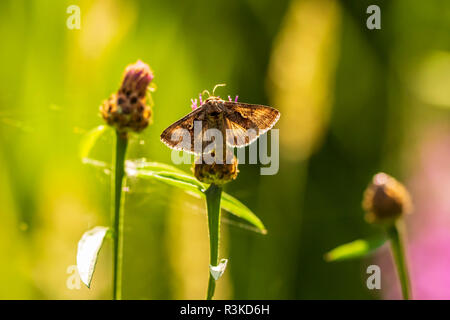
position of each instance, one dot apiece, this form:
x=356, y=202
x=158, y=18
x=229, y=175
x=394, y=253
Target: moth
x=239, y=123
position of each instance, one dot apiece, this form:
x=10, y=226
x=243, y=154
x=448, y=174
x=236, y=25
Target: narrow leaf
x=355, y=249
x=88, y=249
x=191, y=184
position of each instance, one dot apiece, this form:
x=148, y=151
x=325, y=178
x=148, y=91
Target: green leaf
x=231, y=204
x=89, y=140
x=355, y=249
x=190, y=184
x=87, y=254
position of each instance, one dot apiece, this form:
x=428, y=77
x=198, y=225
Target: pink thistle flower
x=127, y=109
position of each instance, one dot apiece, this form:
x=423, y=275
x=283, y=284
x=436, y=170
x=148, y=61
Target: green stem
x=121, y=148
x=213, y=196
x=398, y=252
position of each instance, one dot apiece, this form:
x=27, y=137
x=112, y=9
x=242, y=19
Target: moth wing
x=181, y=134
x=246, y=122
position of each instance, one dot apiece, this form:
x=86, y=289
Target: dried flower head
x=385, y=200
x=216, y=173
x=128, y=110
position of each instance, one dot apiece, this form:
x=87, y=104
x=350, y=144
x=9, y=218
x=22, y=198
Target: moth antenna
x=218, y=85
x=206, y=91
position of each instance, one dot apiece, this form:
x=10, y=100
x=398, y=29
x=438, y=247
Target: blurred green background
x=353, y=102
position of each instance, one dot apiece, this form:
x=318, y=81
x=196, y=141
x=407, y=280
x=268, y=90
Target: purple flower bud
x=136, y=79
x=127, y=110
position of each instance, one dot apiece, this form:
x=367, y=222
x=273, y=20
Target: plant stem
x=121, y=148
x=213, y=196
x=398, y=252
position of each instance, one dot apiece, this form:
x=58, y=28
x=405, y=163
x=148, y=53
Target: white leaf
x=88, y=248
x=217, y=271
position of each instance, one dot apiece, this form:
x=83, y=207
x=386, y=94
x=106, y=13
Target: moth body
x=239, y=123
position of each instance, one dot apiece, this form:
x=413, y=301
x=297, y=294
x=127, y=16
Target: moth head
x=212, y=99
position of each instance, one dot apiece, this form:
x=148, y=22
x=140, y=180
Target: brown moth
x=240, y=124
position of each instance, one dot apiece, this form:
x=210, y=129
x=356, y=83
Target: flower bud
x=385, y=200
x=216, y=173
x=127, y=110
x=136, y=79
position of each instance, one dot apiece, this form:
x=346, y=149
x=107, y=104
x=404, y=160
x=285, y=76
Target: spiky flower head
x=127, y=109
x=385, y=200
x=217, y=173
